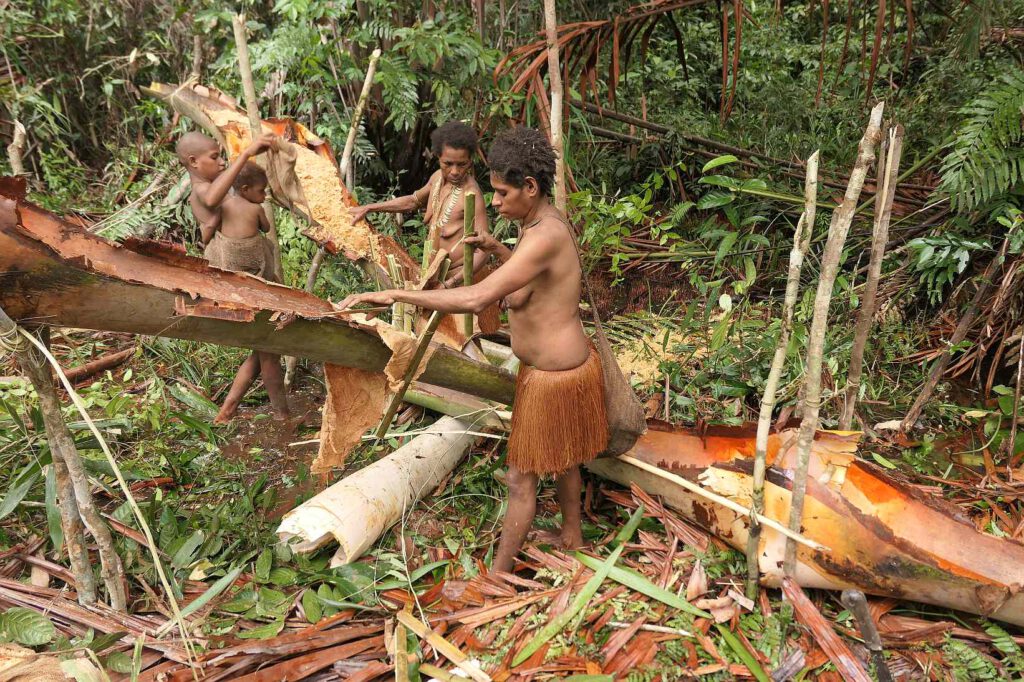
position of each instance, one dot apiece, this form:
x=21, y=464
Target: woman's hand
x=376, y=298
x=358, y=213
x=483, y=242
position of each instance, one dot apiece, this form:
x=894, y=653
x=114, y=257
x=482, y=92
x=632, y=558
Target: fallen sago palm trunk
x=884, y=537
x=358, y=509
x=52, y=272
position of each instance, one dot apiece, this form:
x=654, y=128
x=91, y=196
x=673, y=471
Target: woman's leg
x=570, y=486
x=522, y=506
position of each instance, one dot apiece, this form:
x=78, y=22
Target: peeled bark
x=358, y=509
x=840, y=226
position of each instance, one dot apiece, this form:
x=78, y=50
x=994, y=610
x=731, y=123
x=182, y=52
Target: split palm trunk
x=801, y=243
x=838, y=229
x=884, y=538
x=888, y=171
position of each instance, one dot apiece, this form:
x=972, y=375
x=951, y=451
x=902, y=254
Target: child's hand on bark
x=261, y=144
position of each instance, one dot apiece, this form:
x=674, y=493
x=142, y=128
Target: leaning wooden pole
x=255, y=127
x=801, y=243
x=838, y=229
x=557, y=91
x=889, y=167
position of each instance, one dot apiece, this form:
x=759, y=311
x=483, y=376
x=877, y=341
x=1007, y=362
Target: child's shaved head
x=194, y=144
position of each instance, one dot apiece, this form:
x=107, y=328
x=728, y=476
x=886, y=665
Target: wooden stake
x=889, y=166
x=801, y=243
x=255, y=128
x=838, y=229
x=414, y=363
x=555, y=80
x=468, y=230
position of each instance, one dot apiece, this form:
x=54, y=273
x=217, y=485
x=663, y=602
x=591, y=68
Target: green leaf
x=719, y=161
x=311, y=606
x=271, y=629
x=186, y=553
x=119, y=662
x=744, y=655
x=105, y=641
x=725, y=246
x=263, y=565
x=53, y=522
x=19, y=488
x=193, y=400
x=283, y=576
x=26, y=627
x=883, y=461
x=639, y=583
x=715, y=200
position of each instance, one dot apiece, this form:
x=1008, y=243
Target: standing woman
x=558, y=419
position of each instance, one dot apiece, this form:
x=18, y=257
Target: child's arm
x=218, y=189
x=264, y=223
x=410, y=202
x=206, y=232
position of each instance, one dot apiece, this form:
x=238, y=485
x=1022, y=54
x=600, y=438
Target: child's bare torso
x=208, y=218
x=240, y=219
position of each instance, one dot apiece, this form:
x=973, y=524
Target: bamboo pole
x=892, y=149
x=801, y=243
x=838, y=229
x=397, y=308
x=414, y=363
x=468, y=230
x=555, y=80
x=255, y=127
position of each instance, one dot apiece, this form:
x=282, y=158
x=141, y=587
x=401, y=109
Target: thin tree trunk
x=838, y=229
x=908, y=49
x=959, y=334
x=821, y=59
x=62, y=448
x=557, y=92
x=846, y=44
x=879, y=28
x=74, y=533
x=1012, y=440
x=888, y=167
x=256, y=128
x=725, y=62
x=197, y=57
x=801, y=243
x=738, y=16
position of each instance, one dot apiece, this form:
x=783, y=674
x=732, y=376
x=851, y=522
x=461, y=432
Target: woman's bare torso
x=448, y=233
x=544, y=318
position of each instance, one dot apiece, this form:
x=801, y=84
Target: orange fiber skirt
x=558, y=418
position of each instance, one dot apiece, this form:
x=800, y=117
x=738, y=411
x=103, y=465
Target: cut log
x=359, y=508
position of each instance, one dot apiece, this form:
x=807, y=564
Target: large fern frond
x=985, y=159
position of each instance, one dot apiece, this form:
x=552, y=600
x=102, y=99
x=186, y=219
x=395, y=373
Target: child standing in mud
x=232, y=228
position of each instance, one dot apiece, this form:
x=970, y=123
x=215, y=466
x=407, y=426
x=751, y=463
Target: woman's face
x=514, y=203
x=455, y=165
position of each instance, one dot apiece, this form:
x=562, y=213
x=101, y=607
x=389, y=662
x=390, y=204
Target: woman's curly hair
x=520, y=153
x=454, y=134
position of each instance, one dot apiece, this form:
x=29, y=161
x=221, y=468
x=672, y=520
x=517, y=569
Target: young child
x=231, y=228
